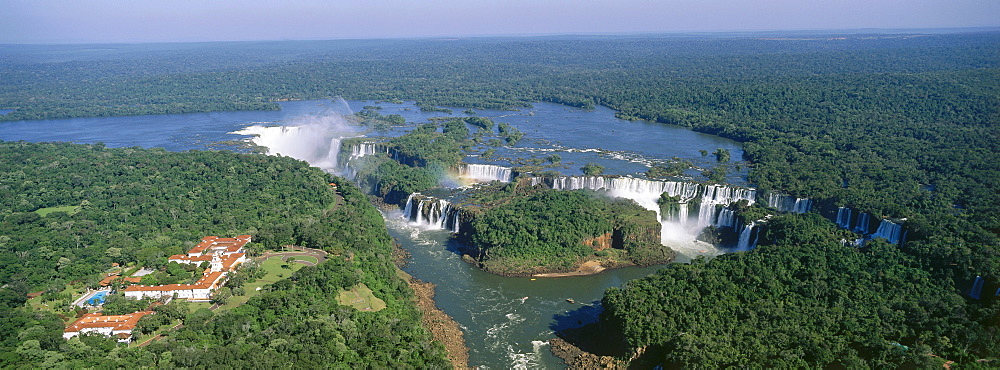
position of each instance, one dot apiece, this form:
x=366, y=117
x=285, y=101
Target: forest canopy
x=897, y=126
x=137, y=206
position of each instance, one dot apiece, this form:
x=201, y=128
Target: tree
x=592, y=169
x=222, y=296
x=721, y=155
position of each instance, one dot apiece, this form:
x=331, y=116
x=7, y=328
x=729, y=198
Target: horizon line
x=864, y=30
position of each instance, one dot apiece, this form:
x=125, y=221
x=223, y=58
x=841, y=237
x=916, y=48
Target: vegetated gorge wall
x=695, y=206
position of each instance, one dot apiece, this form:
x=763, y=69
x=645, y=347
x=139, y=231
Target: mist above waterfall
x=312, y=138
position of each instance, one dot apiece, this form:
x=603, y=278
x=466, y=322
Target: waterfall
x=976, y=291
x=844, y=217
x=725, y=218
x=698, y=205
x=646, y=192
x=367, y=148
x=786, y=203
x=408, y=210
x=312, y=139
x=431, y=213
x=744, y=243
x=889, y=231
x=456, y=222
x=486, y=172
x=862, y=224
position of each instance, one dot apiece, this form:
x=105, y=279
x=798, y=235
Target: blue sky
x=79, y=21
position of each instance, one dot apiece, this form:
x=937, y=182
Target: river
x=507, y=321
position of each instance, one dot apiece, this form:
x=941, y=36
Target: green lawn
x=194, y=306
x=273, y=272
x=312, y=259
x=68, y=209
x=361, y=298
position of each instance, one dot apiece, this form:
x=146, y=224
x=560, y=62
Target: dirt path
x=159, y=336
x=175, y=327
x=443, y=328
x=297, y=251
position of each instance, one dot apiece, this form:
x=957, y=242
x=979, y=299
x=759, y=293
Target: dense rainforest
x=804, y=301
x=901, y=126
x=140, y=205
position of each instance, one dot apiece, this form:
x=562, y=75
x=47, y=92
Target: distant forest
x=900, y=126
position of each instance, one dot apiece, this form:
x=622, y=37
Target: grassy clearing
x=311, y=259
x=273, y=271
x=194, y=306
x=68, y=209
x=361, y=298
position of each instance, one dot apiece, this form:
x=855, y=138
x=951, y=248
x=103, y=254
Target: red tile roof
x=111, y=278
x=116, y=322
x=210, y=280
x=230, y=244
x=230, y=261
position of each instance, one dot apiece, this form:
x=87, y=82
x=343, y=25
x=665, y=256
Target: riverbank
x=588, y=347
x=443, y=328
x=587, y=268
x=576, y=358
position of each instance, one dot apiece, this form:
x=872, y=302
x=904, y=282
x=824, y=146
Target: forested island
x=900, y=127
x=561, y=231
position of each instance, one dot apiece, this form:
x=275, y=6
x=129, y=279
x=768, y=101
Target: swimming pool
x=97, y=299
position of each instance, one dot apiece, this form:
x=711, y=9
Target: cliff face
x=638, y=233
x=599, y=243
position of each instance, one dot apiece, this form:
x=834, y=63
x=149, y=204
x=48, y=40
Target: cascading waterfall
x=646, y=192
x=486, y=172
x=419, y=214
x=844, y=217
x=976, y=292
x=787, y=203
x=888, y=230
x=699, y=205
x=862, y=225
x=408, y=209
x=726, y=218
x=431, y=213
x=745, y=243
x=367, y=148
x=313, y=139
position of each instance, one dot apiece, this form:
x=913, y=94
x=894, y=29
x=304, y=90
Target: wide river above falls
x=507, y=321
